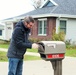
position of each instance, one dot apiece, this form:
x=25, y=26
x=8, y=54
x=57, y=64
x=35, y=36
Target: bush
x=58, y=37
x=68, y=42
x=34, y=40
x=69, y=45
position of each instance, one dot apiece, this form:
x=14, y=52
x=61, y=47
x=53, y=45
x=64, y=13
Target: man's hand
x=35, y=46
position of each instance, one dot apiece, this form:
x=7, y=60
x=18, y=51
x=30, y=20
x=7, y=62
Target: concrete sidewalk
x=27, y=53
x=3, y=49
x=42, y=67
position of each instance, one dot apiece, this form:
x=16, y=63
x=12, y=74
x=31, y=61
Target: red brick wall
x=51, y=24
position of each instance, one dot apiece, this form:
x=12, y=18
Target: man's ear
x=25, y=23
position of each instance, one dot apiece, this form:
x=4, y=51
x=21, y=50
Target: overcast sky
x=11, y=8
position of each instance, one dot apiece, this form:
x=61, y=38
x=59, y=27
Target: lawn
x=4, y=45
x=71, y=53
x=3, y=57
x=7, y=45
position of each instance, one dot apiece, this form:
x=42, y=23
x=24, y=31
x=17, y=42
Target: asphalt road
x=42, y=67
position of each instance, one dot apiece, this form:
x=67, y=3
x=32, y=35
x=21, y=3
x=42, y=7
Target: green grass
x=7, y=45
x=71, y=53
x=4, y=58
x=4, y=45
x=32, y=50
x=29, y=57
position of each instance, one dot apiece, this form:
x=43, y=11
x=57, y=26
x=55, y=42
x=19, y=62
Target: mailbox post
x=53, y=51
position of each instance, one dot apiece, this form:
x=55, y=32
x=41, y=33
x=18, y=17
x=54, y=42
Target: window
x=0, y=32
x=63, y=26
x=49, y=4
x=42, y=27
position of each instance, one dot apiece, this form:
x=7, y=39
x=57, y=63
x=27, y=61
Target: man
x=18, y=45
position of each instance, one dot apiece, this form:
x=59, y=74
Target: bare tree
x=37, y=3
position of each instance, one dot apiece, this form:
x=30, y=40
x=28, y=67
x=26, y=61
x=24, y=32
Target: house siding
x=71, y=30
x=8, y=31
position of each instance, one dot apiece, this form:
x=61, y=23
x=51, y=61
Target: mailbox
x=51, y=50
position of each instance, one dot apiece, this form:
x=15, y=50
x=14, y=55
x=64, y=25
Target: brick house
x=59, y=14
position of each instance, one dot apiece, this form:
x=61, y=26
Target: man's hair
x=28, y=19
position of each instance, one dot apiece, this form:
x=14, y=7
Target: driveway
x=41, y=67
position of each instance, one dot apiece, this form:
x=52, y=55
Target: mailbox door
x=54, y=48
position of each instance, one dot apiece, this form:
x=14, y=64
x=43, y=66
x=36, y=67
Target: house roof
x=62, y=7
x=53, y=8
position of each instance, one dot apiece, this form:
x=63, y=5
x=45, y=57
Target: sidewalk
x=27, y=53
x=3, y=49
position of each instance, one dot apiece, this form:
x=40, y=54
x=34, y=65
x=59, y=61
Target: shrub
x=70, y=45
x=34, y=40
x=68, y=42
x=58, y=36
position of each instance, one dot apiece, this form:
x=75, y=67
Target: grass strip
x=4, y=58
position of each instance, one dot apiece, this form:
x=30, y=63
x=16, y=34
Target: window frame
x=64, y=28
x=43, y=29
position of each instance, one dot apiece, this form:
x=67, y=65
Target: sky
x=11, y=8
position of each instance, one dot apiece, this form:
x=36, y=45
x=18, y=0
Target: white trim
x=58, y=23
x=54, y=2
x=66, y=23
x=42, y=19
x=45, y=2
x=42, y=34
x=63, y=19
x=54, y=15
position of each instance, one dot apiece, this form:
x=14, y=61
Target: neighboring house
x=6, y=31
x=1, y=31
x=59, y=14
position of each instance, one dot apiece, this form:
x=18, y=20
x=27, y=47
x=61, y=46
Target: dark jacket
x=19, y=41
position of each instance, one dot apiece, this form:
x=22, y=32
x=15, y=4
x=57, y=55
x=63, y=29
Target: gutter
x=16, y=19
